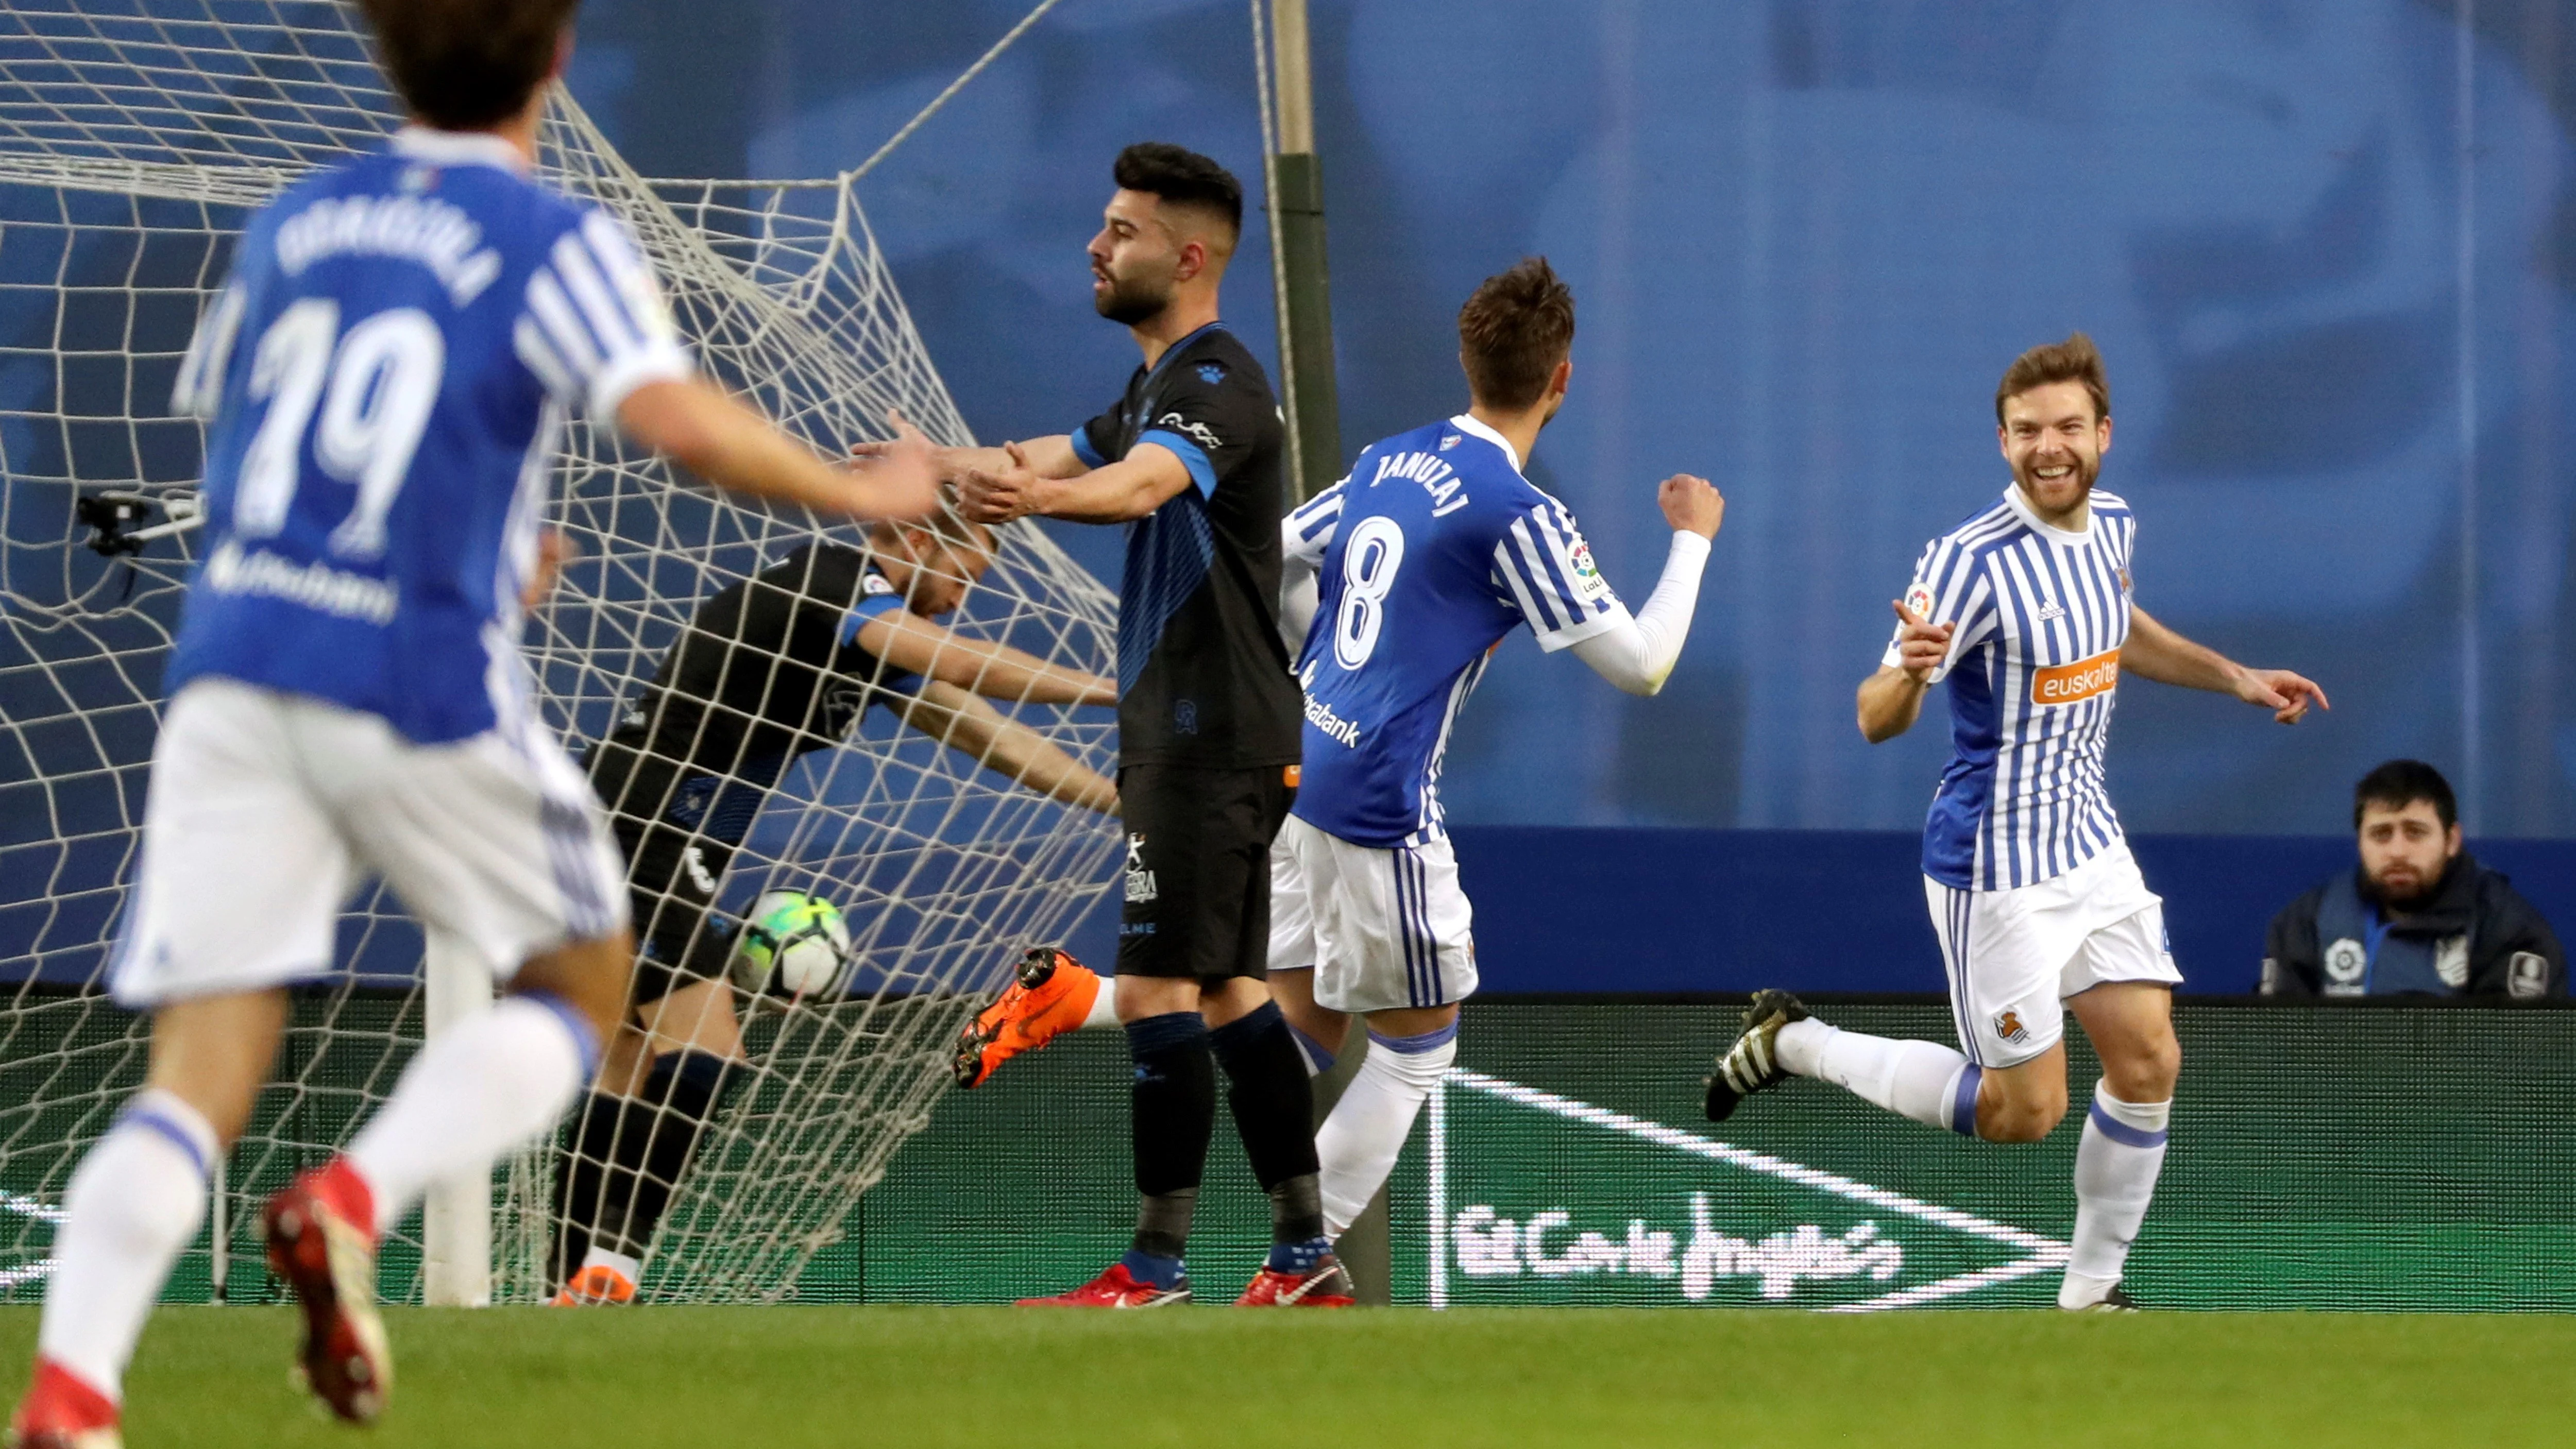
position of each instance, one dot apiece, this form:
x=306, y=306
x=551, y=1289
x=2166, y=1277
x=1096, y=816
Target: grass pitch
x=1000, y=1378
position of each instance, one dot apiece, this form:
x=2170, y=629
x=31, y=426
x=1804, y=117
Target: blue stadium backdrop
x=2328, y=245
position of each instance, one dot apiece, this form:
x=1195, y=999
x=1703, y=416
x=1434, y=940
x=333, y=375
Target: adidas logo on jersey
x=2051, y=610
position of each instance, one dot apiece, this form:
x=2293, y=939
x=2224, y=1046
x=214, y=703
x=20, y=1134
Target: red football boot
x=61, y=1412
x=1323, y=1286
x=321, y=1240
x=1050, y=994
x=1116, y=1288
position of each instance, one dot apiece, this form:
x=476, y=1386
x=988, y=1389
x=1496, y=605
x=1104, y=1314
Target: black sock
x=1274, y=1110
x=628, y=1155
x=1173, y=1109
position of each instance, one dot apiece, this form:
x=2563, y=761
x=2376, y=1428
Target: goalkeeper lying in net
x=772, y=668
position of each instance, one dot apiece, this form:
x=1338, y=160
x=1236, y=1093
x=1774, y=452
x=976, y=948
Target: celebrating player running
x=384, y=375
x=1431, y=551
x=2025, y=610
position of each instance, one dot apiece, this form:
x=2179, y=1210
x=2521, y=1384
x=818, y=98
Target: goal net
x=135, y=138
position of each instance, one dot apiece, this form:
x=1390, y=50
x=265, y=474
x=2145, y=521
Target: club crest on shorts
x=2008, y=1026
x=1140, y=881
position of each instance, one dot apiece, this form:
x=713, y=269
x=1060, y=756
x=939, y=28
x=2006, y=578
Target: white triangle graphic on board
x=2039, y=1253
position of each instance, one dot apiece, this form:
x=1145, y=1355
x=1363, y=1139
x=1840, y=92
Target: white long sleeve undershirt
x=1637, y=654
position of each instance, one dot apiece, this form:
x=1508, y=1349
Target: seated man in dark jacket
x=2419, y=917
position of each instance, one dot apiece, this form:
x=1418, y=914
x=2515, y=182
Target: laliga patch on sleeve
x=875, y=584
x=1588, y=582
x=1918, y=602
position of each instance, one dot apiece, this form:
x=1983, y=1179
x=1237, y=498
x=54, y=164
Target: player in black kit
x=1190, y=459
x=770, y=669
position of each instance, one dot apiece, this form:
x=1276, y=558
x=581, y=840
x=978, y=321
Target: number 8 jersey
x=1432, y=550
x=386, y=376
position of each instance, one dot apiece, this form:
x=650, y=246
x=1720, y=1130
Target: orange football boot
x=62, y=1412
x=596, y=1285
x=1051, y=993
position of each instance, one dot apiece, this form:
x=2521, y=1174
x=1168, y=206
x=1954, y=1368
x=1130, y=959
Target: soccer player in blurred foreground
x=384, y=378
x=769, y=670
x=2025, y=610
x=1411, y=570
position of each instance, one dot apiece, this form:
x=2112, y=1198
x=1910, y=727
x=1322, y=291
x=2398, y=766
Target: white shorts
x=1384, y=929
x=267, y=808
x=2014, y=955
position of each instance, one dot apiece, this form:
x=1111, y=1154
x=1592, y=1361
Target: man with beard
x=1190, y=459
x=2420, y=917
x=2024, y=609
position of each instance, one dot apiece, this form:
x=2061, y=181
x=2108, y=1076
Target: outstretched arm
x=727, y=443
x=967, y=724
x=1639, y=656
x=1147, y=478
x=2158, y=653
x=1052, y=456
x=916, y=645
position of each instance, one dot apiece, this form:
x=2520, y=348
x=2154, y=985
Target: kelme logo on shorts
x=2083, y=679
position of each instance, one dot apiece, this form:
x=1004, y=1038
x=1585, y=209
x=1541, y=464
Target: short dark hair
x=1514, y=331
x=463, y=65
x=2074, y=360
x=2400, y=783
x=1181, y=178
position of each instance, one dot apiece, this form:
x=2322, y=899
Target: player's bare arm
x=1134, y=486
x=965, y=723
x=1892, y=699
x=1051, y=456
x=725, y=442
x=997, y=671
x=2158, y=653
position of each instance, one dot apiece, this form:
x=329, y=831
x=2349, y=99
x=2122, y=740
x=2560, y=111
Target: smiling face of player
x=2405, y=849
x=2055, y=442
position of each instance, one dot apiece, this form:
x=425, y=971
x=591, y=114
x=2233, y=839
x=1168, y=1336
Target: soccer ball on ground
x=792, y=944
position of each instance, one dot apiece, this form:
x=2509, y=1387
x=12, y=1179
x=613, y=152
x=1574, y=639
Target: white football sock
x=1104, y=1006
x=1358, y=1143
x=476, y=1090
x=2115, y=1177
x=134, y=1203
x=1923, y=1080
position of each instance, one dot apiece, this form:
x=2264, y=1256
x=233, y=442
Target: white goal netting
x=134, y=139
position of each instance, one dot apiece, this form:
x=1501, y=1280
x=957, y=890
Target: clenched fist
x=1691, y=505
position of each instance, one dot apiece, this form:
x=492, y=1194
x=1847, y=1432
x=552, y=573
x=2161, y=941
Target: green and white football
x=792, y=944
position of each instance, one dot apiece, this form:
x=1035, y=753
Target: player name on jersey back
x=385, y=376
x=1431, y=551
x=2040, y=615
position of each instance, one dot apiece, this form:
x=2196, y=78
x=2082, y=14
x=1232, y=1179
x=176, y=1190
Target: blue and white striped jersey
x=1431, y=551
x=385, y=377
x=2033, y=669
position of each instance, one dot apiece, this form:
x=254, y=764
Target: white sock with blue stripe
x=1359, y=1142
x=1923, y=1080
x=132, y=1206
x=2115, y=1178
x=477, y=1089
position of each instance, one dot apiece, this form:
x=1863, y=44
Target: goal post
x=134, y=143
